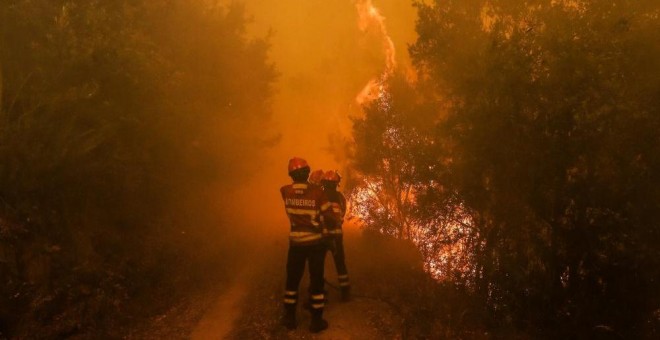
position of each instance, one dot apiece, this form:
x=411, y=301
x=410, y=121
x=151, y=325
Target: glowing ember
x=443, y=242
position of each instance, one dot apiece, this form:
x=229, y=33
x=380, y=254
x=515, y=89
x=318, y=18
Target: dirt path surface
x=219, y=320
x=361, y=318
x=251, y=308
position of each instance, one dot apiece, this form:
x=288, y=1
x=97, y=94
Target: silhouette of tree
x=117, y=121
x=545, y=135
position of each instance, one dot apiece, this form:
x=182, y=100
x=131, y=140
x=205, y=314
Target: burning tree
x=394, y=191
x=529, y=144
x=392, y=139
x=384, y=198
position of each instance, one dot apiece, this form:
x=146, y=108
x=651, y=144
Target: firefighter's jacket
x=309, y=212
x=338, y=204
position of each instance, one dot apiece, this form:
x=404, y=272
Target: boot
x=318, y=323
x=346, y=293
x=289, y=319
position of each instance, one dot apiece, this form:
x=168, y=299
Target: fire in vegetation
x=370, y=20
x=443, y=242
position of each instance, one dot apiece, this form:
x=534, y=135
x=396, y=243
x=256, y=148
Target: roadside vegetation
x=523, y=162
x=118, y=127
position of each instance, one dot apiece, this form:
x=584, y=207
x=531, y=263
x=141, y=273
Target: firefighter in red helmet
x=316, y=177
x=330, y=183
x=305, y=204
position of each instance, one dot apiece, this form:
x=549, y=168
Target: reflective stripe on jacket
x=307, y=206
x=338, y=203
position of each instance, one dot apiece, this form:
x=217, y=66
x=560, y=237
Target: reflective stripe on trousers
x=290, y=297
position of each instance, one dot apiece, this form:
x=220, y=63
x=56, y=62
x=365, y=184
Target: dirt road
x=219, y=320
x=251, y=307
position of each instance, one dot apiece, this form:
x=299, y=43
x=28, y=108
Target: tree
x=545, y=136
x=548, y=145
x=118, y=122
x=385, y=196
x=392, y=179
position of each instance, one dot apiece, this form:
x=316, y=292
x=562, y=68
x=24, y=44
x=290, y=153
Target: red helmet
x=332, y=176
x=316, y=176
x=296, y=163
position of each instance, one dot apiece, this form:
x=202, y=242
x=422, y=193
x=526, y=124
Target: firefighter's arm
x=330, y=218
x=330, y=223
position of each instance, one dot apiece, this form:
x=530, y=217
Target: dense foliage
x=534, y=154
x=118, y=122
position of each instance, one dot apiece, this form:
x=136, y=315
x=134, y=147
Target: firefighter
x=330, y=183
x=305, y=204
x=316, y=176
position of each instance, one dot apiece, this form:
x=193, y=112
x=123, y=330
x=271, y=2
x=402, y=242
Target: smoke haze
x=324, y=60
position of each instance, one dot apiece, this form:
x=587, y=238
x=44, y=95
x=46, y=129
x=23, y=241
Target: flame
x=362, y=197
x=444, y=252
x=444, y=243
x=370, y=19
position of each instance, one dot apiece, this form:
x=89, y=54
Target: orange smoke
x=370, y=19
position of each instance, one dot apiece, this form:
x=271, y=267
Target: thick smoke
x=325, y=55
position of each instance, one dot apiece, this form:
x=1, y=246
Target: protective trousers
x=295, y=268
x=340, y=263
